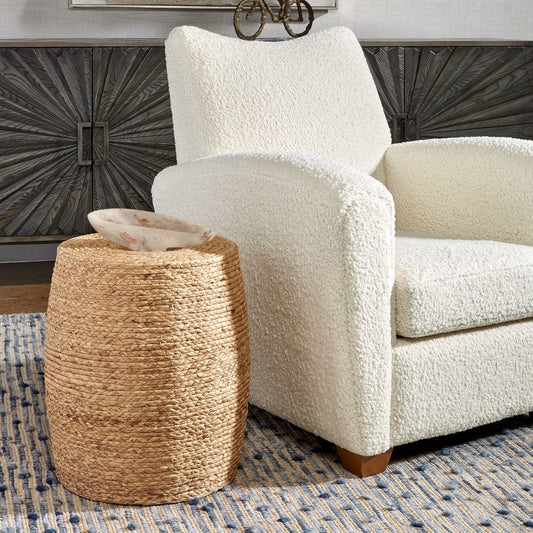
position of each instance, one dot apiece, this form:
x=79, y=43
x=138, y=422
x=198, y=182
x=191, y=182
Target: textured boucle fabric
x=316, y=234
x=455, y=381
x=450, y=284
x=475, y=187
x=313, y=95
x=316, y=241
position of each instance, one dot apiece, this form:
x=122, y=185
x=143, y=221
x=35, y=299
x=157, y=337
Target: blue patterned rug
x=288, y=481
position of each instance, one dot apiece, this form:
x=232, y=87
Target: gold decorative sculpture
x=290, y=12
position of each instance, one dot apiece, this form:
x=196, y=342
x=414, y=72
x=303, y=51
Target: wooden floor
x=24, y=287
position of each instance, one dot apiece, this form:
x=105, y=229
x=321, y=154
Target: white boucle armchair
x=368, y=328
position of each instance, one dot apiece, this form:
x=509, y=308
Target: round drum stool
x=147, y=370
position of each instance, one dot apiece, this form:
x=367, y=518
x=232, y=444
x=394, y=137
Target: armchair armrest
x=473, y=187
x=316, y=241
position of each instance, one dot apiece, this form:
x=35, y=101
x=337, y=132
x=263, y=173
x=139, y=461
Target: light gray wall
x=370, y=19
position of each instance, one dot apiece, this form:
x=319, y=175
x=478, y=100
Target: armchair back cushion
x=310, y=95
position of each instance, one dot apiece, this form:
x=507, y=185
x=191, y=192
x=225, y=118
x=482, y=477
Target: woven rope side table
x=147, y=370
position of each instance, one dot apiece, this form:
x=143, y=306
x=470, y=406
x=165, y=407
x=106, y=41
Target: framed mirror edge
x=176, y=4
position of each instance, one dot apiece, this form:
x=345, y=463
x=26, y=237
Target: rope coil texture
x=147, y=370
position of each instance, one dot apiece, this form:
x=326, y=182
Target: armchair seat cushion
x=444, y=285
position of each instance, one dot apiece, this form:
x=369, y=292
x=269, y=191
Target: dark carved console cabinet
x=455, y=91
x=80, y=129
x=88, y=127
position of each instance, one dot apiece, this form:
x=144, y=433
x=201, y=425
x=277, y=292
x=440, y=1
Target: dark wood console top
x=58, y=43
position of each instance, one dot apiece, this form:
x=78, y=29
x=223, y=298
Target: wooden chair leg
x=363, y=466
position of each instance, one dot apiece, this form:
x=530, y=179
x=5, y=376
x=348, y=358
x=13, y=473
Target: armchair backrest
x=313, y=95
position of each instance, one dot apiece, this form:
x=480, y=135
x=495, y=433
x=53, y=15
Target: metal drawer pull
x=81, y=127
x=405, y=128
x=104, y=126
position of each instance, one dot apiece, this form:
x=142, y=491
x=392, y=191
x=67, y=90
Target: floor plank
x=24, y=287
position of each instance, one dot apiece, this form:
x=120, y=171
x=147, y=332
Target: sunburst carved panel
x=131, y=101
x=452, y=91
x=44, y=94
x=387, y=64
x=470, y=90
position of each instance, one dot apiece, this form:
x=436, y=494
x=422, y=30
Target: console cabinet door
x=387, y=64
x=468, y=91
x=455, y=91
x=45, y=181
x=132, y=137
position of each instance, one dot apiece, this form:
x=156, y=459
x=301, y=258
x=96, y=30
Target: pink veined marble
x=144, y=231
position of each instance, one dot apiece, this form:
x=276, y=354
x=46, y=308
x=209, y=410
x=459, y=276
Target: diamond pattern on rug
x=288, y=480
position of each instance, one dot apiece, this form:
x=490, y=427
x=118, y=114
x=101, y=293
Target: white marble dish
x=144, y=231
